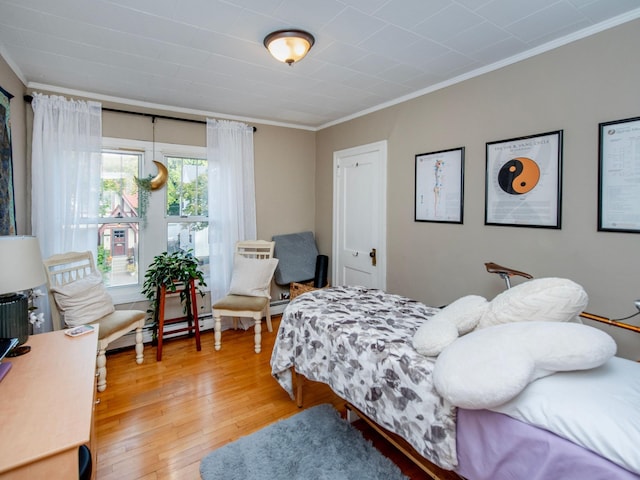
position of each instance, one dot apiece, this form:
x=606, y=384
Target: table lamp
x=20, y=269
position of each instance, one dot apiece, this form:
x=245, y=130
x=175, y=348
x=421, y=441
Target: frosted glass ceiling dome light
x=289, y=46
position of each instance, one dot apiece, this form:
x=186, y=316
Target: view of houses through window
x=120, y=232
x=176, y=215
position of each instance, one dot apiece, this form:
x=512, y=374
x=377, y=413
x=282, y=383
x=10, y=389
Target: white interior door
x=359, y=216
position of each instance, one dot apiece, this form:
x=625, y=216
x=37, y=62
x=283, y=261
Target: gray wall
x=572, y=88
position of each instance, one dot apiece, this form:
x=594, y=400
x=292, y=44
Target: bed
x=358, y=341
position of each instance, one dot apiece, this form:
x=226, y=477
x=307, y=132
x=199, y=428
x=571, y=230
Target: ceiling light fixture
x=289, y=46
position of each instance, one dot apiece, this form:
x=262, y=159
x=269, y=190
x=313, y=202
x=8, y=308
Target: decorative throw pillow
x=465, y=312
x=433, y=336
x=84, y=300
x=541, y=299
x=457, y=318
x=252, y=276
x=490, y=366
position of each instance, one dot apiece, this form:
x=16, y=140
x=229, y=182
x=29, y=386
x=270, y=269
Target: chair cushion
x=297, y=253
x=118, y=320
x=84, y=300
x=238, y=303
x=252, y=276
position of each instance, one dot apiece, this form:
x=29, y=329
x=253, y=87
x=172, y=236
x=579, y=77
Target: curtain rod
x=29, y=99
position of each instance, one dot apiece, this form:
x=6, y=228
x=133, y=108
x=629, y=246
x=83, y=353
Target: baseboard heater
x=206, y=323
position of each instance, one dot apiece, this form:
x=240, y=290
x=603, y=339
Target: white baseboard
x=278, y=306
x=206, y=323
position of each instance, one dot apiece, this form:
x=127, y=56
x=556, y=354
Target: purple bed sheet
x=494, y=446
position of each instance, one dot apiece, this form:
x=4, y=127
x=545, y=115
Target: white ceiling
x=207, y=56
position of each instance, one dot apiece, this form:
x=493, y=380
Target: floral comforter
x=359, y=342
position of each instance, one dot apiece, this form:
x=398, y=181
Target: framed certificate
x=619, y=176
x=439, y=186
x=523, y=181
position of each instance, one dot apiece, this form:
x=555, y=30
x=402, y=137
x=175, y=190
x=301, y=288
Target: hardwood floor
x=157, y=420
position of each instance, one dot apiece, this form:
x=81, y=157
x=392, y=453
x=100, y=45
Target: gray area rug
x=313, y=444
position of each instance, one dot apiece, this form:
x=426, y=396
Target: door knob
x=372, y=254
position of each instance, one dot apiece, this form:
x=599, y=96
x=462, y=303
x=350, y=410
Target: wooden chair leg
x=101, y=365
x=217, y=331
x=258, y=334
x=139, y=346
x=268, y=317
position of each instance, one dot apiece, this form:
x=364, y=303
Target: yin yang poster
x=523, y=181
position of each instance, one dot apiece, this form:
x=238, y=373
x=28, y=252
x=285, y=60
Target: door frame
x=381, y=252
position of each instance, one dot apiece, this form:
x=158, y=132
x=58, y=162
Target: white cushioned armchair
x=77, y=296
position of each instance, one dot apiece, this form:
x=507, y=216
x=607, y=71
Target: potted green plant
x=172, y=270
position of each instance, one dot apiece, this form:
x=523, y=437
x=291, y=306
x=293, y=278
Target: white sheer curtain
x=65, y=175
x=232, y=198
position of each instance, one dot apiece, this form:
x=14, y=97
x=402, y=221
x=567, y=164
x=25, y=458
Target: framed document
x=439, y=186
x=619, y=176
x=523, y=181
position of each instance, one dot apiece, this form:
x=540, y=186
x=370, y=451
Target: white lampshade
x=289, y=46
x=20, y=264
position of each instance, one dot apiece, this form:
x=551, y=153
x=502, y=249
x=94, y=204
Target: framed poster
x=523, y=181
x=619, y=176
x=7, y=202
x=439, y=186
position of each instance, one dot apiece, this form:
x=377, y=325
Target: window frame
x=152, y=239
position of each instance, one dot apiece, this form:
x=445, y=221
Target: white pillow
x=252, y=276
x=574, y=405
x=84, y=300
x=541, y=299
x=457, y=318
x=490, y=366
x=433, y=336
x=465, y=312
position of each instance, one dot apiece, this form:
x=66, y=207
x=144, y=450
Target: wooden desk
x=46, y=407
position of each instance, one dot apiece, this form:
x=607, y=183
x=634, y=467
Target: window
x=118, y=234
x=187, y=207
x=176, y=215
